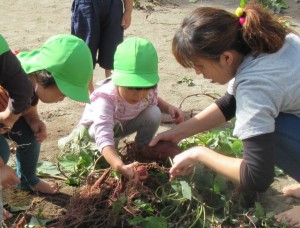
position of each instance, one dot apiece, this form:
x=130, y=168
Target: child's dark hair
x=142, y=88
x=43, y=78
x=208, y=32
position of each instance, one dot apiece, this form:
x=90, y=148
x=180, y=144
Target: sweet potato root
x=141, y=173
x=158, y=153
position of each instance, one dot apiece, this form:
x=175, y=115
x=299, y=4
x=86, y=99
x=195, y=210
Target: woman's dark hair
x=43, y=78
x=208, y=32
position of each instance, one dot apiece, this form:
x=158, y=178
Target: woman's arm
x=255, y=171
x=209, y=118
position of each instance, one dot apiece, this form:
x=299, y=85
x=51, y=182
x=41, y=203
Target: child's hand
x=39, y=129
x=126, y=20
x=8, y=176
x=176, y=114
x=128, y=170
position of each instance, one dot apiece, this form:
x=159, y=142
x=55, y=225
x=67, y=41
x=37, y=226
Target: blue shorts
x=98, y=23
x=287, y=132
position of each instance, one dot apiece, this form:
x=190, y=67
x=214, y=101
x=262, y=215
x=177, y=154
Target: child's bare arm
x=116, y=162
x=167, y=108
x=126, y=20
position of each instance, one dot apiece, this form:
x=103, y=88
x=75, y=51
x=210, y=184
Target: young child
x=129, y=101
x=61, y=67
x=14, y=80
x=259, y=57
x=101, y=24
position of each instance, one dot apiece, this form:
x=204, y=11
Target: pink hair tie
x=242, y=20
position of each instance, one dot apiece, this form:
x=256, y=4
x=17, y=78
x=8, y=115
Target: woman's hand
x=184, y=163
x=168, y=135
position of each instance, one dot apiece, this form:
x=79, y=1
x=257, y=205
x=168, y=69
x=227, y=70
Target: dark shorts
x=98, y=23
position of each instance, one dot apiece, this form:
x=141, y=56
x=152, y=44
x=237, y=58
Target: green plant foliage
x=273, y=5
x=204, y=199
x=186, y=80
x=218, y=140
x=78, y=156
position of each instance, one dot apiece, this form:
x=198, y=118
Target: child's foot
x=291, y=217
x=6, y=214
x=292, y=190
x=46, y=187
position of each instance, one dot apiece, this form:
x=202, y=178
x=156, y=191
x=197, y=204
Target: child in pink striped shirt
x=129, y=100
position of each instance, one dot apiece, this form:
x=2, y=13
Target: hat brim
x=77, y=93
x=134, y=80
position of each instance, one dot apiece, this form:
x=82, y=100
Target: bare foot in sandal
x=292, y=190
x=6, y=214
x=45, y=187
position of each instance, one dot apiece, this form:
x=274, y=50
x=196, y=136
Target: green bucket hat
x=3, y=45
x=135, y=64
x=69, y=61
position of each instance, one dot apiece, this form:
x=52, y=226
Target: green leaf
x=186, y=190
x=220, y=184
x=243, y=3
x=14, y=208
x=68, y=162
x=119, y=204
x=35, y=222
x=73, y=181
x=136, y=220
x=155, y=222
x=259, y=211
x=46, y=167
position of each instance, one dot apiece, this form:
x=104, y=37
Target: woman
x=259, y=58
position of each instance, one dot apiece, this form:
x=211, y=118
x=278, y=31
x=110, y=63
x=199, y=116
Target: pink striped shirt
x=107, y=108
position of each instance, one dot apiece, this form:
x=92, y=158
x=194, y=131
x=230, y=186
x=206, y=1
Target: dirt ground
x=28, y=24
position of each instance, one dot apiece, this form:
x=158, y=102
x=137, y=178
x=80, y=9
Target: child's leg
x=4, y=149
x=27, y=153
x=111, y=33
x=145, y=124
x=287, y=144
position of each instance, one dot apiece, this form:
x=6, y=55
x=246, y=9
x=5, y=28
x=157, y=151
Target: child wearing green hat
x=14, y=80
x=62, y=67
x=129, y=100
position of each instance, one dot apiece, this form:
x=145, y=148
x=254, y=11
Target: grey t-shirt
x=264, y=86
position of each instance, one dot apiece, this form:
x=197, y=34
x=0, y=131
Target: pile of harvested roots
x=112, y=200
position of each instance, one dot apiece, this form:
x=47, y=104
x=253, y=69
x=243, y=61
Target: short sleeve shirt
x=264, y=86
